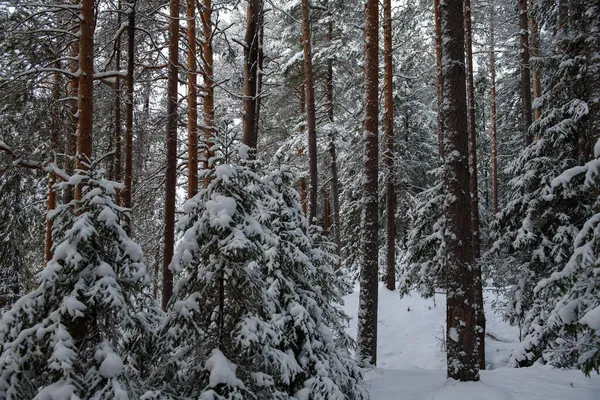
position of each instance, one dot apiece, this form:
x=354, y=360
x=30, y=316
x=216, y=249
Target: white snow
x=412, y=366
x=112, y=366
x=221, y=209
x=592, y=318
x=221, y=370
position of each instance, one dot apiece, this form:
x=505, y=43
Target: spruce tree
x=82, y=332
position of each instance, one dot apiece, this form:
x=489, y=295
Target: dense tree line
x=188, y=188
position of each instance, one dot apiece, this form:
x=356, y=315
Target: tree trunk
x=478, y=304
x=535, y=52
x=171, y=173
x=335, y=191
x=462, y=362
x=440, y=83
x=116, y=159
x=525, y=71
x=388, y=159
x=303, y=199
x=128, y=181
x=493, y=111
x=85, y=99
x=208, y=102
x=326, y=211
x=192, y=123
x=251, y=55
x=54, y=143
x=310, y=114
x=71, y=131
x=367, y=315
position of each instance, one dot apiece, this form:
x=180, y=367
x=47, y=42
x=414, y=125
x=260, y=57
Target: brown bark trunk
x=54, y=143
x=478, y=290
x=525, y=71
x=388, y=159
x=192, y=99
x=493, y=111
x=251, y=56
x=116, y=159
x=259, y=73
x=367, y=316
x=171, y=139
x=85, y=100
x=71, y=131
x=208, y=103
x=440, y=83
x=303, y=198
x=462, y=362
x=335, y=191
x=535, y=52
x=128, y=181
x=310, y=114
x=325, y=212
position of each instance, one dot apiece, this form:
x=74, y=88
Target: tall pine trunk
x=251, y=75
x=71, y=131
x=129, y=87
x=208, y=99
x=55, y=124
x=116, y=165
x=303, y=196
x=525, y=71
x=171, y=139
x=494, y=130
x=388, y=159
x=367, y=314
x=534, y=46
x=192, y=123
x=478, y=305
x=335, y=191
x=462, y=362
x=310, y=114
x=85, y=104
x=440, y=83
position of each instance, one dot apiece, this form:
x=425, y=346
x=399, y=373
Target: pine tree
x=62, y=339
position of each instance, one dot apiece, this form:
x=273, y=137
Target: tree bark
x=310, y=114
x=493, y=111
x=335, y=191
x=388, y=159
x=440, y=83
x=525, y=71
x=478, y=304
x=126, y=194
x=535, y=52
x=367, y=316
x=303, y=199
x=85, y=99
x=208, y=102
x=462, y=362
x=71, y=131
x=171, y=139
x=192, y=123
x=55, y=124
x=116, y=160
x=251, y=74
x=326, y=211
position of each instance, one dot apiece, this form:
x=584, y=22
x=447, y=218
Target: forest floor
x=411, y=364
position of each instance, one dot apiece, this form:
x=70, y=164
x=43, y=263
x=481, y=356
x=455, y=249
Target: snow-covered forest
x=299, y=199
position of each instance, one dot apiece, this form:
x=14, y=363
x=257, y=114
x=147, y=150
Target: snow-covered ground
x=411, y=364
